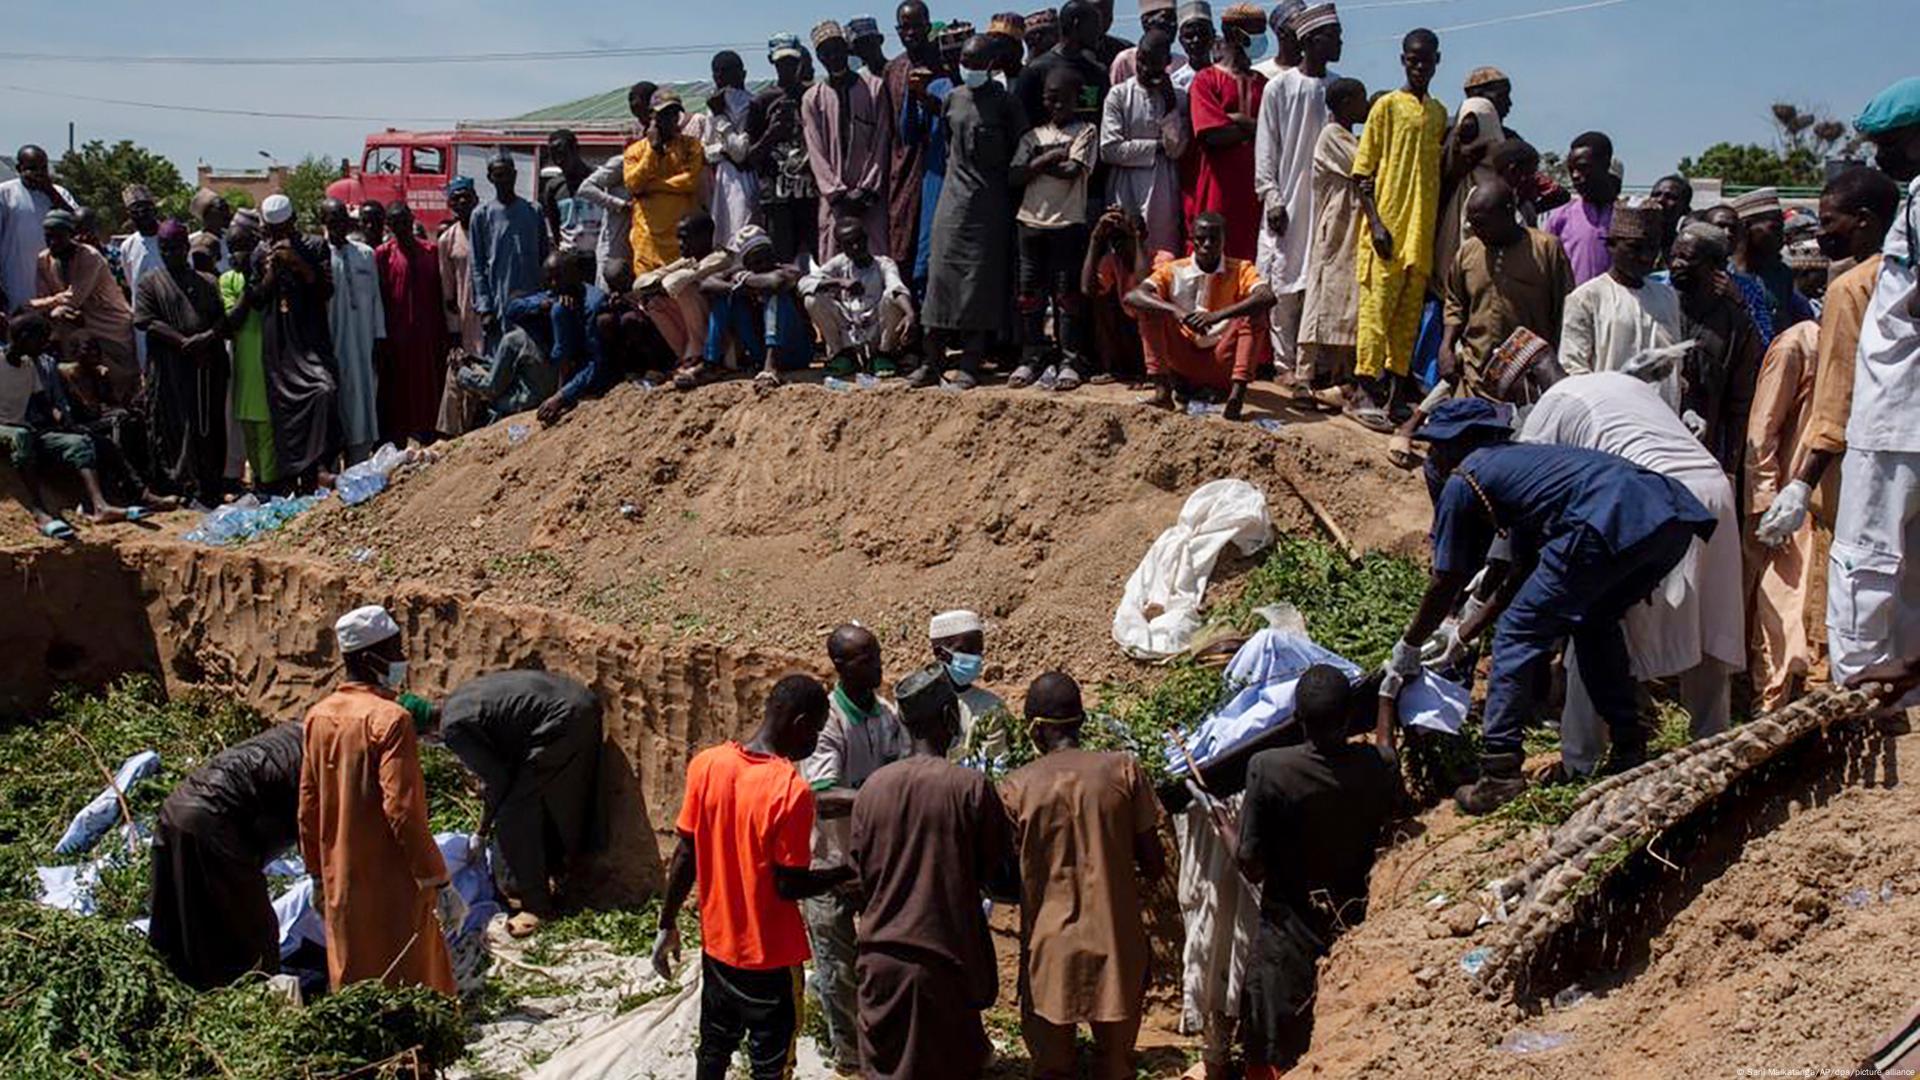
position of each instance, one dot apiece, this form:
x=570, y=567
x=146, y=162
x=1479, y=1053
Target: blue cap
x=784, y=45
x=1895, y=107
x=459, y=184
x=1456, y=417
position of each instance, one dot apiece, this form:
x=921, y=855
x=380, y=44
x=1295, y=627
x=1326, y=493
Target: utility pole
x=69, y=136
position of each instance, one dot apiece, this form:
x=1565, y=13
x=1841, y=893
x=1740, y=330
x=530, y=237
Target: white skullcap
x=363, y=627
x=276, y=209
x=954, y=623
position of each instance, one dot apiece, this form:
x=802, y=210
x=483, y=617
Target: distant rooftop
x=607, y=110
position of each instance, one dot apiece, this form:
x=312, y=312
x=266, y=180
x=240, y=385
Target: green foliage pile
x=51, y=769
x=1355, y=609
x=87, y=996
x=627, y=932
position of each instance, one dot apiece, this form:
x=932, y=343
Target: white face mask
x=975, y=79
x=396, y=676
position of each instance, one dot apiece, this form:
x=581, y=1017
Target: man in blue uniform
x=1591, y=534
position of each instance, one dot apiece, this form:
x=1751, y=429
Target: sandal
x=1024, y=375
x=1400, y=452
x=1067, y=379
x=768, y=379
x=1104, y=378
x=843, y=365
x=55, y=529
x=690, y=378
x=885, y=367
x=1372, y=417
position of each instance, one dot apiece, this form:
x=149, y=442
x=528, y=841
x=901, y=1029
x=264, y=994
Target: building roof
x=607, y=109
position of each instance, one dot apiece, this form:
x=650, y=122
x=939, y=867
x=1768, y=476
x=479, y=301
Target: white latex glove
x=1696, y=423
x=666, y=951
x=1436, y=646
x=450, y=909
x=1390, y=683
x=1785, y=516
x=1405, y=661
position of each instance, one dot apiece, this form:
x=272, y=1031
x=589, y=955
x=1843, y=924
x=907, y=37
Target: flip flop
x=58, y=530
x=885, y=367
x=1400, y=452
x=843, y=365
x=1371, y=417
x=136, y=513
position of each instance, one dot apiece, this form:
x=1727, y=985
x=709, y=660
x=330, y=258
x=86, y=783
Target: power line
x=404, y=59
x=210, y=110
x=1526, y=15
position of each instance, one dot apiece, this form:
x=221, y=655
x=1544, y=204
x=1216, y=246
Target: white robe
x=735, y=191
x=1141, y=144
x=1293, y=110
x=21, y=237
x=1607, y=324
x=358, y=319
x=139, y=254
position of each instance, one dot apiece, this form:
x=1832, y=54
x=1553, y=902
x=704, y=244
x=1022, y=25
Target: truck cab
x=417, y=165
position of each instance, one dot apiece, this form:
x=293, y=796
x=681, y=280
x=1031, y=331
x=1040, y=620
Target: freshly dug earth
x=1775, y=940
x=739, y=516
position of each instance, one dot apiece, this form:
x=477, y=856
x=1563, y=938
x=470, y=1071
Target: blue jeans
x=776, y=325
x=1579, y=590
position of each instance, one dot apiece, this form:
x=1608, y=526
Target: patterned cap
x=1283, y=13
x=1043, y=19
x=749, y=238
x=827, y=31
x=1195, y=10
x=1244, y=14
x=1008, y=24
x=1513, y=358
x=135, y=193
x=1309, y=19
x=1484, y=76
x=1756, y=203
x=952, y=37
x=667, y=98
x=1149, y=7
x=863, y=26
x=1636, y=222
x=786, y=46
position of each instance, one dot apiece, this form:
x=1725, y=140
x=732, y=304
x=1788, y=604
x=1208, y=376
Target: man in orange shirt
x=746, y=832
x=1203, y=319
x=379, y=881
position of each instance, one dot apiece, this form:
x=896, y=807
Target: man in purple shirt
x=1582, y=224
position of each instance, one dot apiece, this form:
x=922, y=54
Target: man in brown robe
x=1504, y=276
x=907, y=164
x=379, y=881
x=927, y=837
x=1086, y=826
x=91, y=317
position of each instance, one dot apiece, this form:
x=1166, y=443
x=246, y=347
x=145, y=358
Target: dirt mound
x=1756, y=935
x=733, y=515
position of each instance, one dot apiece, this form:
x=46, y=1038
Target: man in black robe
x=213, y=919
x=969, y=286
x=180, y=311
x=533, y=739
x=295, y=278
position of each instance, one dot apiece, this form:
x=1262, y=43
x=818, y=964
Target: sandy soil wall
x=261, y=626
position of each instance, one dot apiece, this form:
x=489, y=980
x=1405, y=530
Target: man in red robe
x=414, y=370
x=1225, y=102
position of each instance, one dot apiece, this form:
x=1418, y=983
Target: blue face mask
x=853, y=62
x=1258, y=46
x=963, y=668
x=975, y=79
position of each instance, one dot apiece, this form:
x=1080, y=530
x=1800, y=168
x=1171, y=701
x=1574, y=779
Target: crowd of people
x=1632, y=411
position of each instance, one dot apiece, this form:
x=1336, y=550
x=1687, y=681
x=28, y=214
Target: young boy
x=1310, y=824
x=1117, y=260
x=1053, y=162
x=33, y=410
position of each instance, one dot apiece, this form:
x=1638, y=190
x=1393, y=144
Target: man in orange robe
x=379, y=880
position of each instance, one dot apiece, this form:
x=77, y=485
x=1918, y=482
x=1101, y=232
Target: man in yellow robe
x=663, y=172
x=1398, y=170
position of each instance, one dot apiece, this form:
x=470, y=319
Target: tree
x=1804, y=143
x=96, y=174
x=306, y=185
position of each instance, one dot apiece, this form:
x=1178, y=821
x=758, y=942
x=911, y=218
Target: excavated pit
x=257, y=626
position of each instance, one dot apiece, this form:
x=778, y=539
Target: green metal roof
x=610, y=108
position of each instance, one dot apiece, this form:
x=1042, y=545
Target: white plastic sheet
x=1160, y=610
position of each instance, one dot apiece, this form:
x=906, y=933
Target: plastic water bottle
x=517, y=433
x=866, y=382
x=1270, y=424
x=837, y=384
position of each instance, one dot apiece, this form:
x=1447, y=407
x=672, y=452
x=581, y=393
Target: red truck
x=416, y=165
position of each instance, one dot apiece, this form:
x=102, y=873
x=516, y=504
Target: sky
x=1664, y=78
